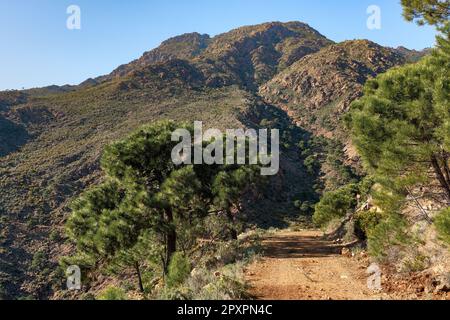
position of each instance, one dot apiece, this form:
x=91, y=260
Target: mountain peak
x=256, y=53
x=192, y=36
x=185, y=46
x=249, y=55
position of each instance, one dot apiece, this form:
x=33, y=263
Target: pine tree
x=433, y=12
x=228, y=188
x=147, y=198
x=402, y=124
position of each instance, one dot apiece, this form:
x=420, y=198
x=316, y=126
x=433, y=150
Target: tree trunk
x=440, y=176
x=138, y=272
x=446, y=169
x=233, y=232
x=171, y=245
x=171, y=239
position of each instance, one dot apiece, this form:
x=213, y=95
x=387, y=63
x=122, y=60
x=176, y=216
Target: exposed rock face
x=318, y=88
x=11, y=98
x=186, y=46
x=248, y=56
x=162, y=74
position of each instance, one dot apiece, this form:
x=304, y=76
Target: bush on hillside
x=387, y=235
x=112, y=293
x=335, y=204
x=179, y=269
x=366, y=221
x=442, y=223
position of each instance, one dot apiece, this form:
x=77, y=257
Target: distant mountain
x=319, y=88
x=273, y=74
x=413, y=55
x=249, y=55
x=252, y=55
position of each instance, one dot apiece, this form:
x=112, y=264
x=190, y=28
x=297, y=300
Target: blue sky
x=38, y=50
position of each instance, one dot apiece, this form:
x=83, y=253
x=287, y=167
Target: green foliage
x=366, y=221
x=304, y=207
x=39, y=260
x=338, y=203
x=179, y=269
x=365, y=187
x=115, y=222
x=225, y=284
x=400, y=126
x=387, y=235
x=433, y=12
x=417, y=263
x=112, y=293
x=335, y=204
x=38, y=180
x=225, y=288
x=54, y=235
x=442, y=223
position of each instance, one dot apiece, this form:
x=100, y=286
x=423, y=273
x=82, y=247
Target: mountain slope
x=52, y=138
x=252, y=55
x=249, y=55
x=186, y=47
x=319, y=88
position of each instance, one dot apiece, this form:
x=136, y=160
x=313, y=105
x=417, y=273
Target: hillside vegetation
x=275, y=75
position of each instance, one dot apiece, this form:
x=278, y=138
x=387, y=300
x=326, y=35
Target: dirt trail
x=303, y=266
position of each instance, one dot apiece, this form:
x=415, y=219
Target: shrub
x=304, y=207
x=112, y=293
x=225, y=288
x=225, y=284
x=311, y=164
x=365, y=186
x=227, y=253
x=179, y=269
x=442, y=223
x=349, y=231
x=87, y=297
x=38, y=261
x=335, y=204
x=54, y=235
x=367, y=221
x=387, y=235
x=416, y=263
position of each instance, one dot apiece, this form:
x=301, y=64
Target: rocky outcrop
x=248, y=56
x=319, y=88
x=254, y=54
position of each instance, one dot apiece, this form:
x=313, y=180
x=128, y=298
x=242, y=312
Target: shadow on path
x=285, y=247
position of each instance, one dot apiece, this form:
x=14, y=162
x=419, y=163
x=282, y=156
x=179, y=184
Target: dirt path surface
x=303, y=266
